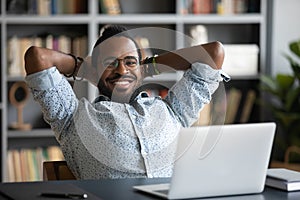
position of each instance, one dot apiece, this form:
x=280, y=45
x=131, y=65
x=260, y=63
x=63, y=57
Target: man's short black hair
x=111, y=31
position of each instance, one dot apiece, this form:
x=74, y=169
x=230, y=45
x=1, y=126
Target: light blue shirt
x=105, y=139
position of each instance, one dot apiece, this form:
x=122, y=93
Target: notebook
x=218, y=160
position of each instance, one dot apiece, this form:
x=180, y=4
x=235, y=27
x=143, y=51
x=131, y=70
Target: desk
x=121, y=189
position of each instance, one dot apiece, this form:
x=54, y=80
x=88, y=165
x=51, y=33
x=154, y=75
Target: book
x=17, y=46
x=26, y=164
x=55, y=153
x=239, y=6
x=284, y=179
x=80, y=6
x=10, y=175
x=233, y=102
x=111, y=7
x=39, y=162
x=184, y=5
x=248, y=105
x=17, y=165
x=64, y=43
x=79, y=46
x=43, y=7
x=202, y=6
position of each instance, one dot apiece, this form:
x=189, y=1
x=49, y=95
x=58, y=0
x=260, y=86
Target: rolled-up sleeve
x=43, y=80
x=188, y=96
x=56, y=97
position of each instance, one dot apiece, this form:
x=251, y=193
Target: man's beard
x=117, y=96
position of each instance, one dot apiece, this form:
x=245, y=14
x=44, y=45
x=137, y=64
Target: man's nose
x=121, y=68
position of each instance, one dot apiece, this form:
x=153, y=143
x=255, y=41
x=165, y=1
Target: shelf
x=56, y=19
x=35, y=133
x=136, y=19
x=15, y=78
x=222, y=19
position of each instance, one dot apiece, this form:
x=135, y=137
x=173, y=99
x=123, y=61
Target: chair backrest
x=57, y=170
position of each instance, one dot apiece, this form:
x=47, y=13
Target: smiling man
x=122, y=72
x=123, y=133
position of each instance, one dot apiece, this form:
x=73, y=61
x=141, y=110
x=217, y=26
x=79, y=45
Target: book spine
x=16, y=48
x=248, y=105
x=26, y=164
x=233, y=103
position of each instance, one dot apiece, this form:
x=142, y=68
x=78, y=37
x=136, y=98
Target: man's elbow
x=218, y=54
x=30, y=58
x=215, y=54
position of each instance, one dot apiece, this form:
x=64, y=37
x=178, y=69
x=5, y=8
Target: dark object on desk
x=37, y=190
x=65, y=195
x=116, y=189
x=283, y=179
x=57, y=170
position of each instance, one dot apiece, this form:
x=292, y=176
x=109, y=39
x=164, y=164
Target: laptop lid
x=218, y=161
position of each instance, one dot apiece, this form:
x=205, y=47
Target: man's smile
x=121, y=83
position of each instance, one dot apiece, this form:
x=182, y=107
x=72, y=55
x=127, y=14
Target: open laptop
x=218, y=161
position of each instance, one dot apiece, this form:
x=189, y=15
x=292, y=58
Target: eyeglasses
x=129, y=61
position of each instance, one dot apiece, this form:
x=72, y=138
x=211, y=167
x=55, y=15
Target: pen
x=65, y=195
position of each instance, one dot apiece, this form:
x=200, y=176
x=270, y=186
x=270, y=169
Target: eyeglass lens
x=128, y=61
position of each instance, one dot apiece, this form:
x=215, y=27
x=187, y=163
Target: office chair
x=57, y=170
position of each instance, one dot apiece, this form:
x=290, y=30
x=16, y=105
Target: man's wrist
x=77, y=63
x=151, y=66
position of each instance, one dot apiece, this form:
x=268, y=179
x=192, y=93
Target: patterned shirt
x=105, y=139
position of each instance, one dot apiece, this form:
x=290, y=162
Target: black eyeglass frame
x=116, y=62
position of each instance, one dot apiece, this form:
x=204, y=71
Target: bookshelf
x=247, y=27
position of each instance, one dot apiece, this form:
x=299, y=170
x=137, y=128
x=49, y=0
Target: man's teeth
x=121, y=82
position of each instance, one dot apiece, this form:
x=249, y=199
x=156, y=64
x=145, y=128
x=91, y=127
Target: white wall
x=286, y=28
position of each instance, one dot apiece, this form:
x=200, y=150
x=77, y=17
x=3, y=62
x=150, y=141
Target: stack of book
x=17, y=46
x=284, y=179
x=218, y=6
x=46, y=7
x=26, y=164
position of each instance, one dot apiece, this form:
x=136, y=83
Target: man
x=121, y=134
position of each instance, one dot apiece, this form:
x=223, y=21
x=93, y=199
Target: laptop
x=218, y=160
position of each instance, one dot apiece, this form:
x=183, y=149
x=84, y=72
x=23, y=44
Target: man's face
x=119, y=69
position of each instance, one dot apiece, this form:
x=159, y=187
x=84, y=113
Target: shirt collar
x=140, y=95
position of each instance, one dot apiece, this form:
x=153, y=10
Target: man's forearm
x=38, y=59
x=181, y=59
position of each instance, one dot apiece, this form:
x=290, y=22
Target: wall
x=285, y=28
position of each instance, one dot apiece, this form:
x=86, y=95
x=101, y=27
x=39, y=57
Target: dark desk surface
x=122, y=189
